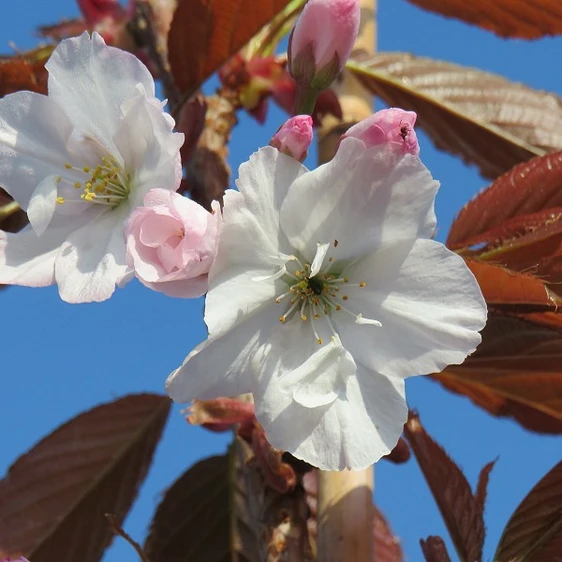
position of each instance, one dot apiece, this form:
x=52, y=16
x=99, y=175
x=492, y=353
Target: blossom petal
x=181, y=288
x=34, y=132
x=245, y=253
x=352, y=432
x=429, y=303
x=148, y=147
x=322, y=378
x=29, y=260
x=265, y=181
x=43, y=204
x=372, y=191
x=220, y=366
x=91, y=81
x=92, y=260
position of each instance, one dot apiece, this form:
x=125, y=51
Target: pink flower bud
x=171, y=243
x=388, y=125
x=322, y=40
x=294, y=137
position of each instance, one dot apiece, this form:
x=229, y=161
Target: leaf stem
x=118, y=530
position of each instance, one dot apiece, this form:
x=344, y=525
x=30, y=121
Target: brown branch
x=117, y=529
x=142, y=30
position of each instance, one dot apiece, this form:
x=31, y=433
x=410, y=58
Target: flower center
x=106, y=184
x=317, y=291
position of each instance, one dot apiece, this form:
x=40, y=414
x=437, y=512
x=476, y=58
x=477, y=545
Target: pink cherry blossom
x=294, y=137
x=392, y=125
x=322, y=39
x=171, y=243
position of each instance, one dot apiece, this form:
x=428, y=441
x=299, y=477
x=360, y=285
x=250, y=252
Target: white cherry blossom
x=326, y=293
x=78, y=160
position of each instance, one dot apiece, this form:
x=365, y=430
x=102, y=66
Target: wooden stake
x=345, y=504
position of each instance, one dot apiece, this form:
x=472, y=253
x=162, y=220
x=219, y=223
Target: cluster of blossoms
x=325, y=288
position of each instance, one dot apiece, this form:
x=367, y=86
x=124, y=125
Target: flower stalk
x=345, y=504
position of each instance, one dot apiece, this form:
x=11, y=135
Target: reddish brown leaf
x=53, y=499
x=460, y=509
x=504, y=288
x=549, y=319
x=534, y=531
x=508, y=18
x=482, y=487
x=193, y=520
x=400, y=454
x=434, y=549
x=528, y=188
x=386, y=545
x=24, y=71
x=221, y=510
x=516, y=372
x=486, y=119
x=206, y=33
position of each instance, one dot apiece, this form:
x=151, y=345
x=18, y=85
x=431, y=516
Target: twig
x=116, y=528
x=142, y=29
x=8, y=210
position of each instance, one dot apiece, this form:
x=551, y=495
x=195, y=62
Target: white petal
x=352, y=432
x=429, y=303
x=91, y=81
x=42, y=205
x=245, y=252
x=34, y=133
x=150, y=150
x=322, y=378
x=250, y=241
x=92, y=260
x=29, y=260
x=265, y=181
x=363, y=198
x=182, y=288
x=221, y=366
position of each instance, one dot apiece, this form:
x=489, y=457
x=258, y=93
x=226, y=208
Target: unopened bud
x=294, y=137
x=392, y=125
x=322, y=40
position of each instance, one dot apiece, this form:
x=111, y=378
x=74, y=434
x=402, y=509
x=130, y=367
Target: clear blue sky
x=52, y=367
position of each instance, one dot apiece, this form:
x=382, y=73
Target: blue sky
x=60, y=359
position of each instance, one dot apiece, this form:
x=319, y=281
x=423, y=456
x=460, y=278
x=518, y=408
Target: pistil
x=315, y=291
